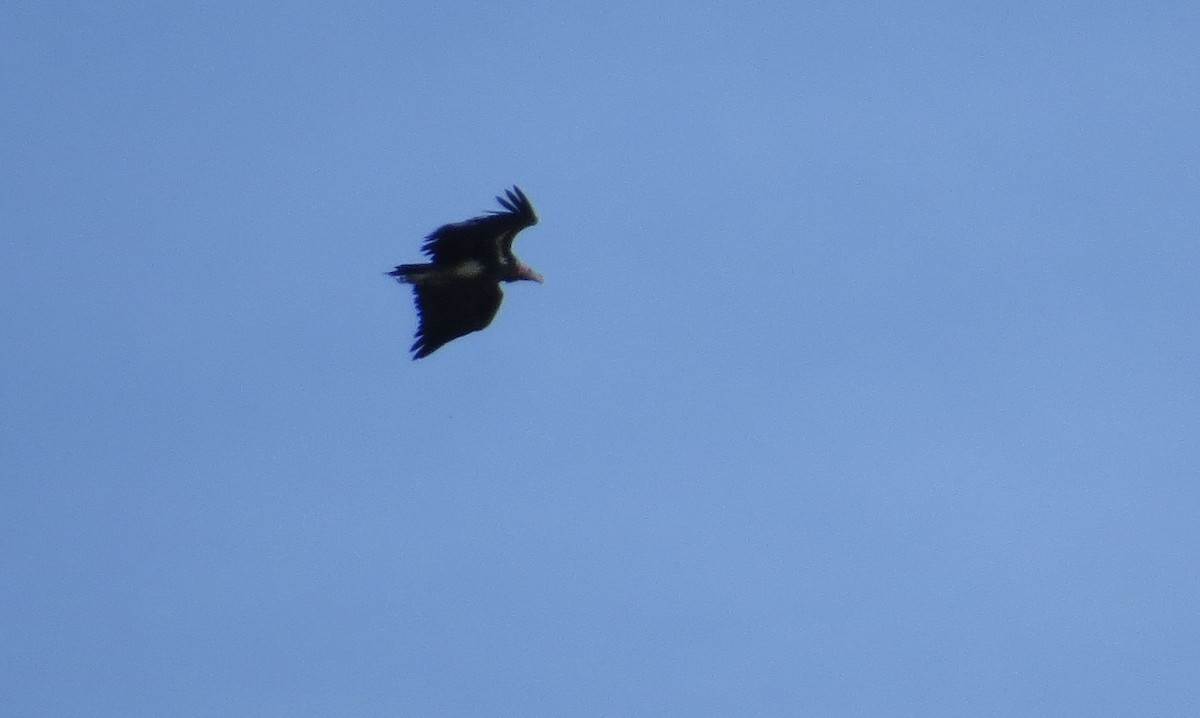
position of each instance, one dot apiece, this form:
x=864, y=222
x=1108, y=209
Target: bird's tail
x=411, y=273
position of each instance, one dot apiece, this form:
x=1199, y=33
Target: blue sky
x=864, y=380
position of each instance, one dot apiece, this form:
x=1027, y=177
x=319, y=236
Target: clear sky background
x=865, y=380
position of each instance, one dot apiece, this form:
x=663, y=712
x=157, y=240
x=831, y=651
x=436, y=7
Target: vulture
x=458, y=290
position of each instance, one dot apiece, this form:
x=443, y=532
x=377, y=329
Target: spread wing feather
x=448, y=311
x=487, y=234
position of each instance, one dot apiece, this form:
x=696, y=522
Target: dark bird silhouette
x=458, y=291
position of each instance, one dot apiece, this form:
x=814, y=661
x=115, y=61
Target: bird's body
x=458, y=291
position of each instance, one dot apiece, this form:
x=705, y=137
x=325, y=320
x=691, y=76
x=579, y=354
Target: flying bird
x=458, y=291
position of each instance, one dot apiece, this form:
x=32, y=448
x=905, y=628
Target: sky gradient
x=865, y=380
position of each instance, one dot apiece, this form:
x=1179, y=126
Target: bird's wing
x=489, y=233
x=448, y=311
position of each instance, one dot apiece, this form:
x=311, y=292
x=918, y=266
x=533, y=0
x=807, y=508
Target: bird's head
x=524, y=271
